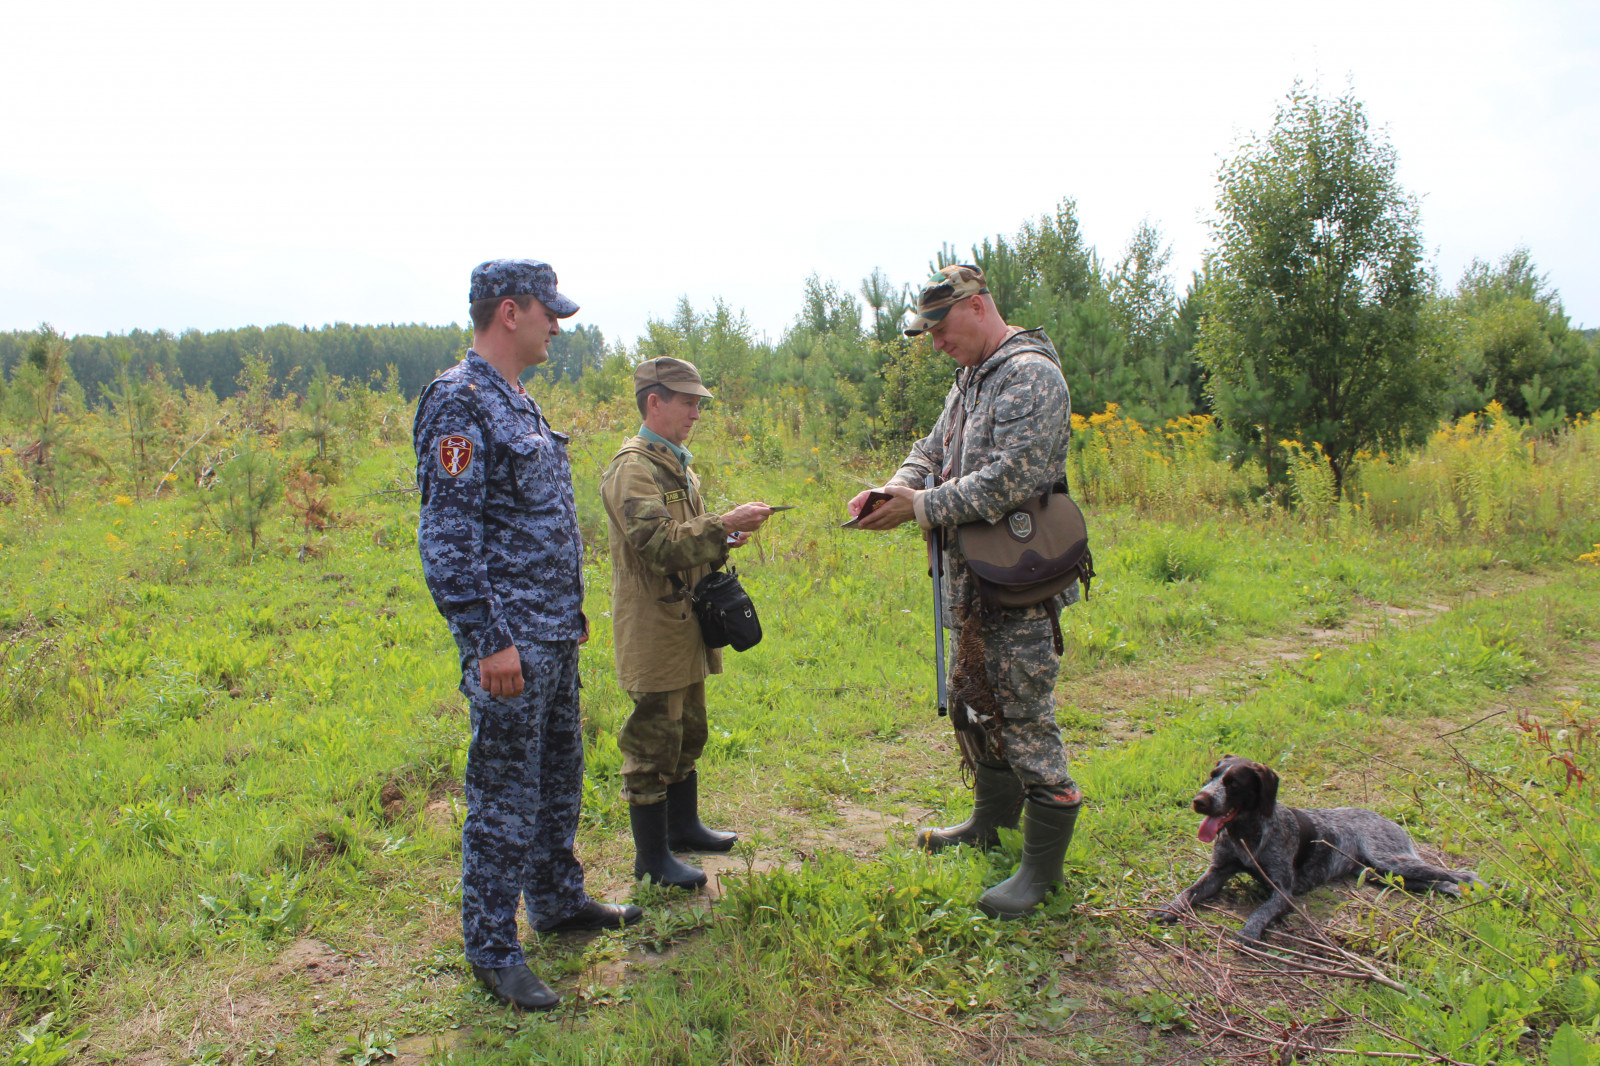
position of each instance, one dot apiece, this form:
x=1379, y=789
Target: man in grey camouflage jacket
x=1001, y=439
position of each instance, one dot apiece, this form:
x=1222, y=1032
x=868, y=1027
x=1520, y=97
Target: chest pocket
x=540, y=468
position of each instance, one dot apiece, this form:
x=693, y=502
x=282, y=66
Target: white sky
x=202, y=164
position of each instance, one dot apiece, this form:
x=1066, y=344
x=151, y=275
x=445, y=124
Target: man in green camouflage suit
x=662, y=542
x=1001, y=439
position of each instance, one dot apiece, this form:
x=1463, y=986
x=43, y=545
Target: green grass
x=216, y=767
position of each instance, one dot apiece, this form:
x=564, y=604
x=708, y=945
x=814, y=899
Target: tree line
x=1314, y=319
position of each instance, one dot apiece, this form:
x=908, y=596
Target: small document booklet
x=874, y=501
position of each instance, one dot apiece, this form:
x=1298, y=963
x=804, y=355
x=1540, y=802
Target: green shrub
x=1176, y=555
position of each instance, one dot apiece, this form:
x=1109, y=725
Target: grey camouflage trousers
x=1022, y=666
x=524, y=781
x=661, y=741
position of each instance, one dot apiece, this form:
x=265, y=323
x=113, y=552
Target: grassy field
x=230, y=781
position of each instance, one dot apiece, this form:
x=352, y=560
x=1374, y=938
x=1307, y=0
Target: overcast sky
x=209, y=165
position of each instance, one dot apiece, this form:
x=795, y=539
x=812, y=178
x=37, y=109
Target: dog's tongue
x=1210, y=828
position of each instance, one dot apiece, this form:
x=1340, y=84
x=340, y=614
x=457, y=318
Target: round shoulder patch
x=455, y=454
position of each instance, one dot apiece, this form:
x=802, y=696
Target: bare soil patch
x=311, y=959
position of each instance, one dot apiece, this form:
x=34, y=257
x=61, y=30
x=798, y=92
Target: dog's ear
x=1269, y=788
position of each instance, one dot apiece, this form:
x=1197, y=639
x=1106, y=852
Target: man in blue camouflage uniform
x=503, y=558
x=1001, y=439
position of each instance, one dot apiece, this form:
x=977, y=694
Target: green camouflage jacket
x=658, y=526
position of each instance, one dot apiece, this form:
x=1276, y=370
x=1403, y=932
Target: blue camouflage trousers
x=523, y=783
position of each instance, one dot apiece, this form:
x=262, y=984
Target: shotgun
x=936, y=571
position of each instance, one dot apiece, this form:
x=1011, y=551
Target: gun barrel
x=936, y=571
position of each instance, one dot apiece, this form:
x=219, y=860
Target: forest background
x=1317, y=272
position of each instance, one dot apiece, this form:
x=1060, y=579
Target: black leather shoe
x=597, y=915
x=517, y=986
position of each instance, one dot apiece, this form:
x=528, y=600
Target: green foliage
x=880, y=924
x=36, y=1045
x=720, y=344
x=1316, y=326
x=1175, y=555
x=31, y=965
x=1117, y=331
x=43, y=398
x=916, y=380
x=213, y=361
x=1516, y=346
x=888, y=304
x=1530, y=975
x=1047, y=258
x=262, y=907
x=1145, y=311
x=614, y=378
x=246, y=491
x=573, y=352
x=134, y=400
x=1486, y=477
x=322, y=415
x=369, y=1046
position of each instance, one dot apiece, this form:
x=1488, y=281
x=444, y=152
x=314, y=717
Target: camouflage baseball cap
x=499, y=278
x=943, y=291
x=675, y=374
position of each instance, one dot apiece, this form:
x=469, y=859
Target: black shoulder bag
x=726, y=613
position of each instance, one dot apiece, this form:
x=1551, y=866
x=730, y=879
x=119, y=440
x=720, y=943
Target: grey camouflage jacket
x=1014, y=444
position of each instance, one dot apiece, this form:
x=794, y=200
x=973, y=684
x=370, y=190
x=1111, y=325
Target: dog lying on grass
x=1292, y=851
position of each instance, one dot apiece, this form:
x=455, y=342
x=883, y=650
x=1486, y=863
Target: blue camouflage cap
x=499, y=278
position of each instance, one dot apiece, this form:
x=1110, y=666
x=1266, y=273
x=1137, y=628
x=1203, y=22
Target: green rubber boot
x=1046, y=832
x=996, y=804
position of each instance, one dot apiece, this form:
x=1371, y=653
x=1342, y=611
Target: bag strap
x=953, y=440
x=680, y=587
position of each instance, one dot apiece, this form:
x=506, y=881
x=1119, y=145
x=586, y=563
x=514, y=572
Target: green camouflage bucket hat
x=943, y=291
x=679, y=375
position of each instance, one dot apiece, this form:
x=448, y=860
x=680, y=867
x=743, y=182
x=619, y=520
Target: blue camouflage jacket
x=499, y=538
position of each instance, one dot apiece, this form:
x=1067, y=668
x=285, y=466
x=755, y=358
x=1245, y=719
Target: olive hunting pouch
x=1032, y=553
x=726, y=613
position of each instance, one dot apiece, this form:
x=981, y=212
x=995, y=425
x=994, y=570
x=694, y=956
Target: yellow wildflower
x=123, y=501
